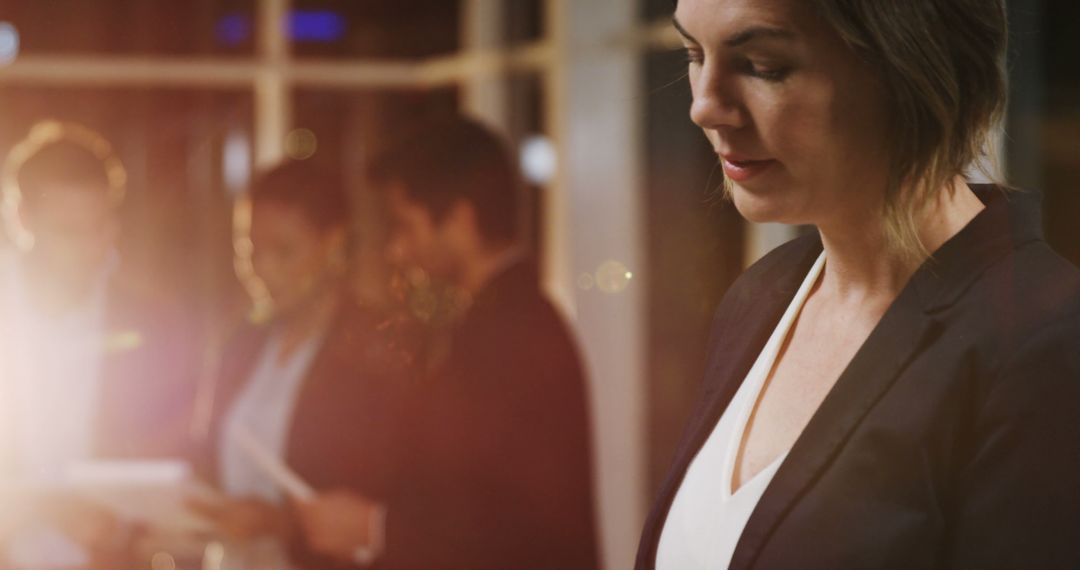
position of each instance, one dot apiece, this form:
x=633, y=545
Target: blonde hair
x=942, y=65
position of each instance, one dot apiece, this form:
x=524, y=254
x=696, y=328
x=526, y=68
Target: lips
x=741, y=169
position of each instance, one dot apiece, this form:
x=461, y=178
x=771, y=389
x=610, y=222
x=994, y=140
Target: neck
x=861, y=265
x=301, y=325
x=482, y=266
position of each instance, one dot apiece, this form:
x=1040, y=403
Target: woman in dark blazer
x=902, y=388
x=318, y=385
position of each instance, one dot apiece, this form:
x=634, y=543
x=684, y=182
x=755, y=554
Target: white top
x=50, y=384
x=264, y=409
x=706, y=519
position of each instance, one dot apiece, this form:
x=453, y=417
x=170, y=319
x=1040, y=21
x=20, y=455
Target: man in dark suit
x=91, y=366
x=495, y=467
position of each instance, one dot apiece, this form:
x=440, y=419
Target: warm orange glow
x=242, y=260
x=42, y=134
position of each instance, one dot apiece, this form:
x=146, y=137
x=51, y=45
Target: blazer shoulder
x=531, y=326
x=1038, y=268
x=1015, y=325
x=1028, y=290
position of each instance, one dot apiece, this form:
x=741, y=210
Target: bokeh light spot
x=538, y=159
x=613, y=277
x=9, y=43
x=301, y=144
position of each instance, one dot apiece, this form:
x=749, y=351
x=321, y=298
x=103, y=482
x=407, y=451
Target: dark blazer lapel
x=326, y=365
x=215, y=396
x=903, y=331
x=738, y=340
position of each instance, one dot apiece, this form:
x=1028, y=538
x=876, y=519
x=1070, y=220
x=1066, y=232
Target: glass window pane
x=132, y=27
x=340, y=29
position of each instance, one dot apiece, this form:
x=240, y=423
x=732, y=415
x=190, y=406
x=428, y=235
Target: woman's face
x=291, y=256
x=798, y=121
x=74, y=228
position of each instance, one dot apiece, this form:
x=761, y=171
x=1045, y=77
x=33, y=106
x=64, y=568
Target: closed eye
x=694, y=56
x=770, y=73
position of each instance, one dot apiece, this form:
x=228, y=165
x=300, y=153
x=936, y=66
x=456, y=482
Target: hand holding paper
x=338, y=524
x=244, y=519
x=342, y=524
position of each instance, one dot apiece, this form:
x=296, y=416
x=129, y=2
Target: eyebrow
x=742, y=37
x=682, y=31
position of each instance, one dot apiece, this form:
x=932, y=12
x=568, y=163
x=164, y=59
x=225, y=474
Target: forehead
x=69, y=196
x=716, y=21
x=278, y=215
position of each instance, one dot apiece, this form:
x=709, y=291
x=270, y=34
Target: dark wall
x=695, y=250
x=1060, y=122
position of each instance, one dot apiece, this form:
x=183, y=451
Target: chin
x=761, y=208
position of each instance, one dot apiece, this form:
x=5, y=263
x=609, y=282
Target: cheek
x=268, y=268
x=864, y=128
x=313, y=263
x=289, y=271
x=807, y=127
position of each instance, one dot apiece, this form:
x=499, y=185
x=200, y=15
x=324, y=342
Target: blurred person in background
x=317, y=385
x=900, y=388
x=496, y=464
x=92, y=364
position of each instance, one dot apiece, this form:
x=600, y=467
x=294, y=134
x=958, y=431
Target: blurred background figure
x=316, y=385
x=621, y=207
x=92, y=365
x=496, y=468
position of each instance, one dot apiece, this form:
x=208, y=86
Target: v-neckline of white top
x=706, y=520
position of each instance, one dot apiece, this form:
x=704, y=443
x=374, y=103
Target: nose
x=716, y=104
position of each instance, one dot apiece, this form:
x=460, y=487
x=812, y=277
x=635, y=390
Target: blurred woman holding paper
x=313, y=388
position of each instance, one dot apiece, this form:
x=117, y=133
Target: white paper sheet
x=154, y=493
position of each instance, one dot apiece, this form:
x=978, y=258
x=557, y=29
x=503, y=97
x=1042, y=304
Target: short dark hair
x=451, y=158
x=62, y=162
x=317, y=194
